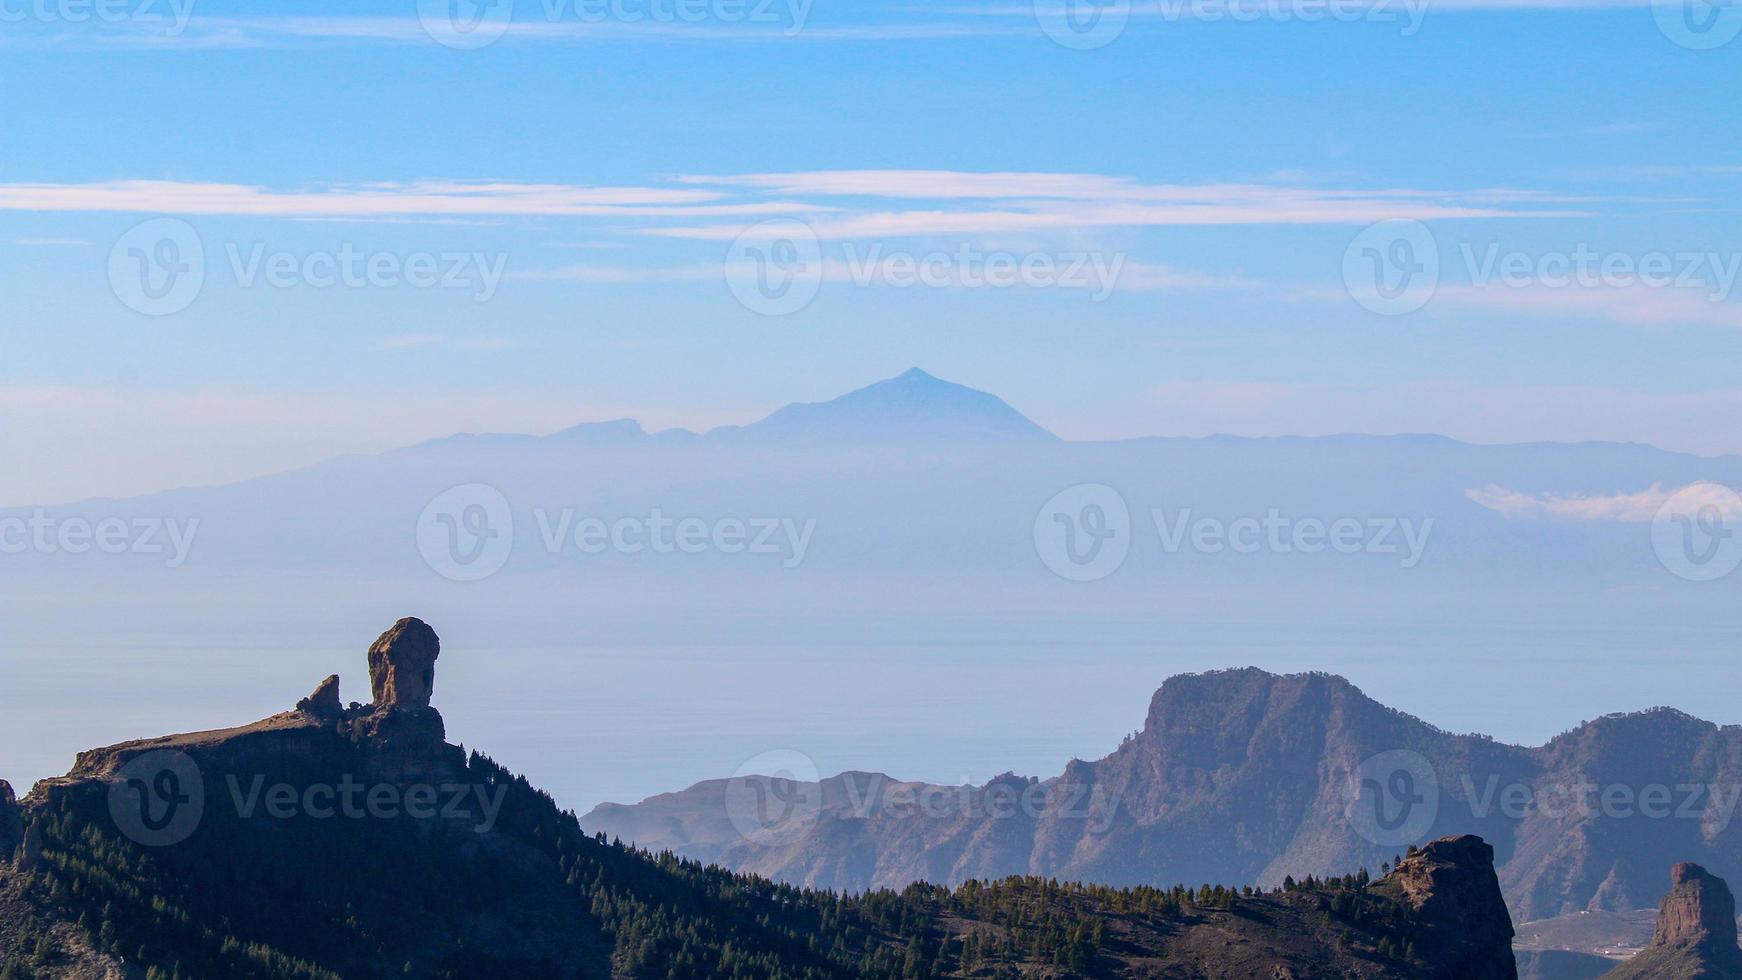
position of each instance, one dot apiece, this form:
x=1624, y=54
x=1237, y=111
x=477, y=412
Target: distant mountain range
x=913, y=514
x=1244, y=775
x=919, y=476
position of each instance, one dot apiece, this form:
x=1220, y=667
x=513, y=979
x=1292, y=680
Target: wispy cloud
x=987, y=203
x=1023, y=203
x=374, y=200
x=1638, y=507
x=209, y=32
x=1635, y=305
x=409, y=341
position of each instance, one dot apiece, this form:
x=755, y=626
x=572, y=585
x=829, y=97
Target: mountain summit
x=912, y=405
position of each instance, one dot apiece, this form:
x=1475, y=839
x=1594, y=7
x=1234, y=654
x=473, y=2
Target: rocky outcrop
x=324, y=702
x=402, y=665
x=400, y=739
x=11, y=821
x=1462, y=923
x=1698, y=911
x=1696, y=932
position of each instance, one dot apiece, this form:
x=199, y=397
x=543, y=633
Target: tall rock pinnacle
x=402, y=665
x=1696, y=932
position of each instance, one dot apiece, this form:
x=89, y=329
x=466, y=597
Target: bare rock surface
x=402, y=665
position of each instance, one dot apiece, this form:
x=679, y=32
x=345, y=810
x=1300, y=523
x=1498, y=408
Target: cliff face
x=11, y=821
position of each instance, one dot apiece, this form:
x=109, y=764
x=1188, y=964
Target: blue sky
x=588, y=177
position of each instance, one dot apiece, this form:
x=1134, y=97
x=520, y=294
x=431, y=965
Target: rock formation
x=324, y=702
x=1464, y=926
x=11, y=828
x=402, y=665
x=1696, y=932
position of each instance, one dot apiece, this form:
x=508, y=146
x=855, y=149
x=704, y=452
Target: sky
x=236, y=239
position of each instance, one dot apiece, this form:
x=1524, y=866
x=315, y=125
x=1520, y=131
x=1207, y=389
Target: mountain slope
x=310, y=845
x=1244, y=775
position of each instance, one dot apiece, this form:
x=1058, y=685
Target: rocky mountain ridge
x=1245, y=775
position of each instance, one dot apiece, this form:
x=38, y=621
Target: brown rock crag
x=1464, y=926
x=402, y=665
x=1696, y=932
x=324, y=702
